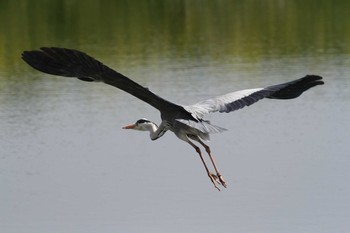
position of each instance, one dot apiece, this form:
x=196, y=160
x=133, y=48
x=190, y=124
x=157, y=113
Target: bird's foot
x=215, y=180
x=221, y=180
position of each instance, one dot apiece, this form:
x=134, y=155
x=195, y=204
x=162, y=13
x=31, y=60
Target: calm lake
x=66, y=166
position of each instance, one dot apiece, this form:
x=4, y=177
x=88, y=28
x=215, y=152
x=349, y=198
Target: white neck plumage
x=155, y=132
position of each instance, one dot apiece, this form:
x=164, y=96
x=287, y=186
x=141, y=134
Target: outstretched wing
x=239, y=99
x=73, y=63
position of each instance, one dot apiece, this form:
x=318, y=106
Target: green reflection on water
x=174, y=29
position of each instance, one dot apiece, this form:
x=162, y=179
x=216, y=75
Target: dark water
x=67, y=166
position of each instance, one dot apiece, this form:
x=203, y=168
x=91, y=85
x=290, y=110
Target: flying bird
x=185, y=121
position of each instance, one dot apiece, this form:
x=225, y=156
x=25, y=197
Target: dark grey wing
x=239, y=99
x=73, y=63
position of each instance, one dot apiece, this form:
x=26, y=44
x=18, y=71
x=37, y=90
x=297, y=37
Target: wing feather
x=73, y=63
x=239, y=99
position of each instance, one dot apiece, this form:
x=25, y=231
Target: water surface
x=67, y=166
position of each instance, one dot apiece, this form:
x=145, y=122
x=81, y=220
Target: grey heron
x=185, y=121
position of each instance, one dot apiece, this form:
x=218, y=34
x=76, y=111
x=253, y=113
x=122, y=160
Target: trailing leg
x=216, y=181
x=207, y=149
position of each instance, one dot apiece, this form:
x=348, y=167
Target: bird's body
x=187, y=122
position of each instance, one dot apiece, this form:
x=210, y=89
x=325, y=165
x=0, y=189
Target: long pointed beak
x=132, y=126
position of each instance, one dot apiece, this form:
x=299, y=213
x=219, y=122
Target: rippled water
x=67, y=166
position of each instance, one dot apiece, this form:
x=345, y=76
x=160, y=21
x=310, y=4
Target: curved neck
x=156, y=132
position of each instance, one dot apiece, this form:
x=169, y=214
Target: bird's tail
x=65, y=62
x=295, y=88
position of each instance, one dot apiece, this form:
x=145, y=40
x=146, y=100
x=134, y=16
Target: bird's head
x=142, y=125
